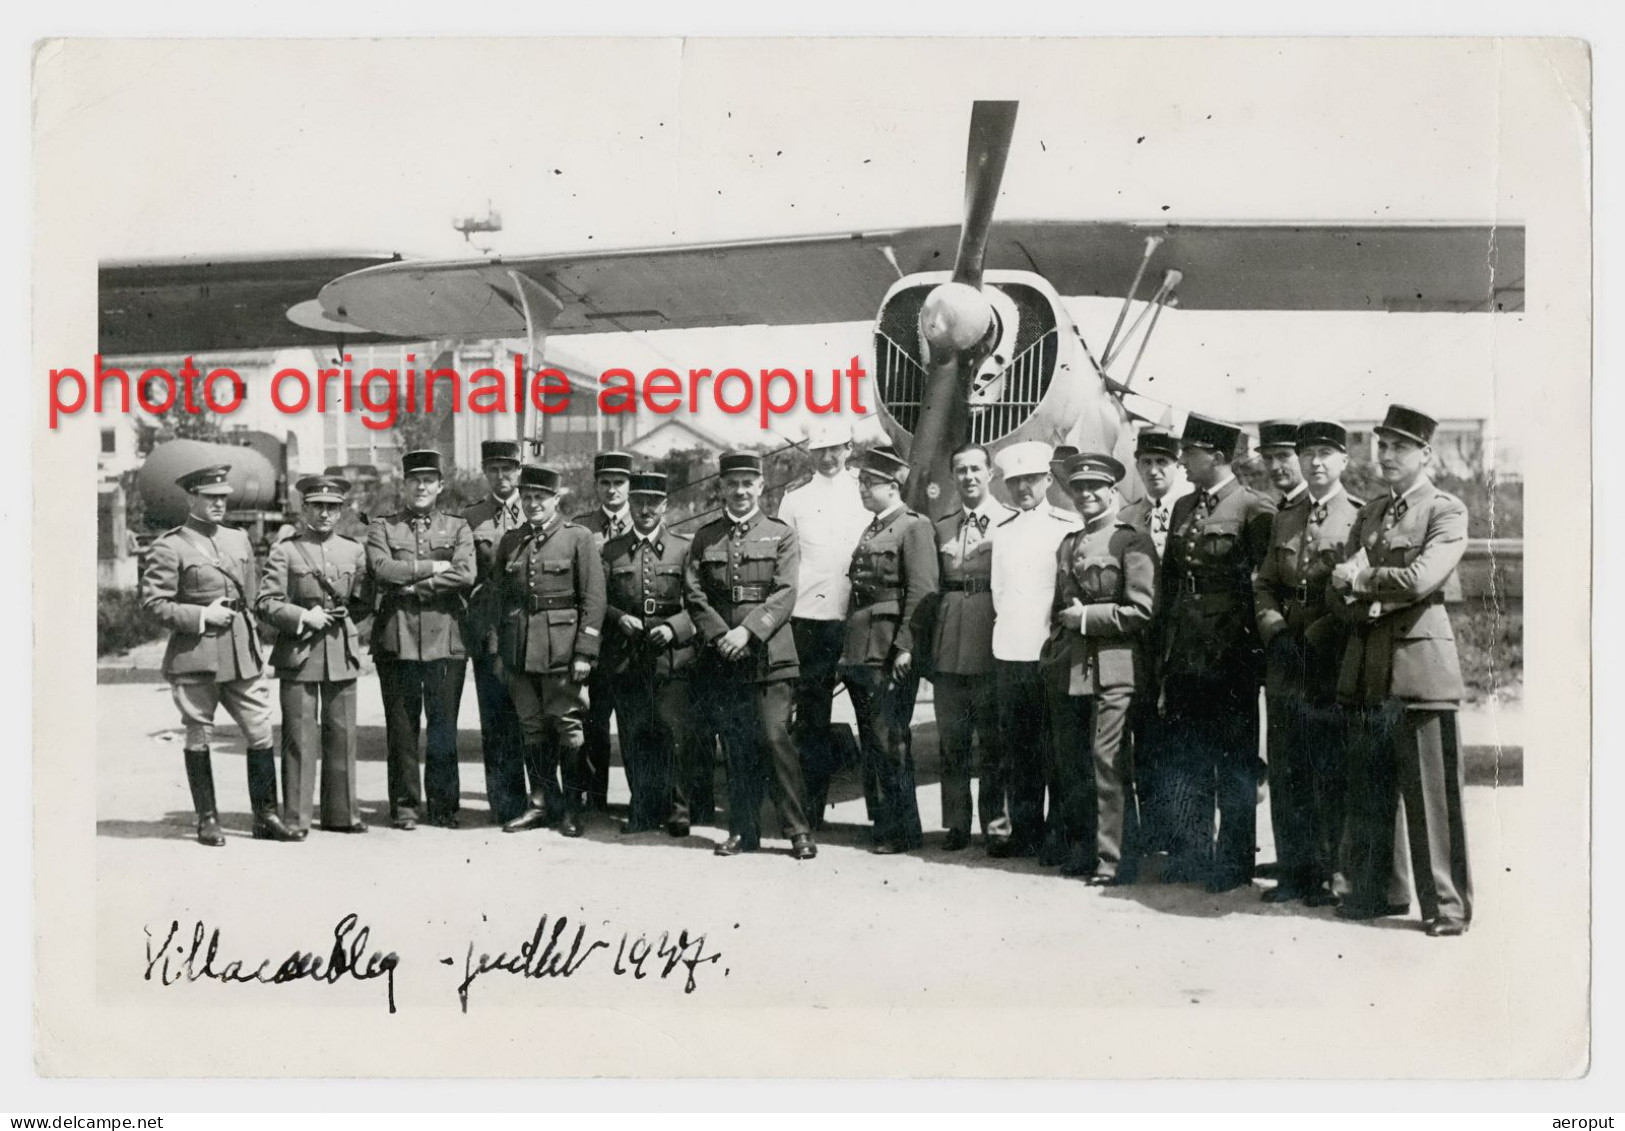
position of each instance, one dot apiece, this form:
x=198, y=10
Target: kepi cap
x=649, y=483
x=542, y=478
x=499, y=450
x=1322, y=432
x=1278, y=434
x=1407, y=423
x=612, y=463
x=323, y=488
x=1031, y=457
x=1205, y=432
x=739, y=461
x=207, y=480
x=419, y=461
x=1093, y=467
x=1156, y=442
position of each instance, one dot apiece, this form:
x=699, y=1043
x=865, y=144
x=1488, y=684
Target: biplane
x=971, y=340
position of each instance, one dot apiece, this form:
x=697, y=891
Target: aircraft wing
x=204, y=303
x=197, y=304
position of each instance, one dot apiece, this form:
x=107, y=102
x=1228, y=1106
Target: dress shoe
x=1221, y=882
x=1321, y=897
x=885, y=848
x=1359, y=912
x=1079, y=862
x=529, y=819
x=208, y=831
x=405, y=824
x=733, y=846
x=572, y=826
x=999, y=847
x=956, y=841
x=1284, y=893
x=444, y=820
x=300, y=834
x=802, y=847
x=268, y=826
x=358, y=827
x=1443, y=928
x=677, y=828
x=1051, y=853
x=1102, y=880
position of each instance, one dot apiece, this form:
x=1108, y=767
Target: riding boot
x=201, y=778
x=262, y=798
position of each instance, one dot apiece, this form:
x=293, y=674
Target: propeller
x=956, y=319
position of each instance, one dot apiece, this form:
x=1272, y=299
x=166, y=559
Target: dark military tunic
x=417, y=642
x=601, y=697
x=893, y=574
x=744, y=574
x=552, y=600
x=500, y=745
x=1212, y=667
x=649, y=680
x=1303, y=644
x=317, y=669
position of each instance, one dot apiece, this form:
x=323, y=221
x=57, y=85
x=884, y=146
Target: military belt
x=969, y=585
x=863, y=596
x=538, y=604
x=654, y=608
x=746, y=594
x=1207, y=586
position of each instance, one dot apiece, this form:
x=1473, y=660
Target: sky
x=286, y=145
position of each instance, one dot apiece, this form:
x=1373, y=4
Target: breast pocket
x=1398, y=550
x=1100, y=578
x=757, y=560
x=1219, y=541
x=442, y=547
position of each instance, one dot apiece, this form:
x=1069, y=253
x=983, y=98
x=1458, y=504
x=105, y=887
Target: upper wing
x=205, y=304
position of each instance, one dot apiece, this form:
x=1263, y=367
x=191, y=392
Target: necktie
x=509, y=518
x=1204, y=505
x=1311, y=537
x=1159, y=519
x=1396, y=511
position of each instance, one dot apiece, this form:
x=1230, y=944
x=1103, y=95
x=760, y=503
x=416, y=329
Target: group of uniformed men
x=1106, y=662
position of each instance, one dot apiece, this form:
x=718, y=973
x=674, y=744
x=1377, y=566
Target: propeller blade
x=992, y=124
x=944, y=421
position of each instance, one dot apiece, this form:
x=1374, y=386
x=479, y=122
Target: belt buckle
x=733, y=594
x=649, y=605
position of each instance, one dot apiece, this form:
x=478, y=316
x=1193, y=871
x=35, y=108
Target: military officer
x=962, y=648
x=353, y=521
x=422, y=564
x=552, y=581
x=612, y=475
x=828, y=517
x=893, y=573
x=316, y=591
x=200, y=583
x=1401, y=673
x=1156, y=461
x=1022, y=579
x=1303, y=641
x=740, y=587
x=489, y=519
x=648, y=648
x=1105, y=595
x=1213, y=661
x=1278, y=448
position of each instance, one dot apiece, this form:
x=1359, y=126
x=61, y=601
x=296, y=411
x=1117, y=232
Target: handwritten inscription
x=563, y=955
x=178, y=961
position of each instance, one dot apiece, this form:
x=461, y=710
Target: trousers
x=885, y=710
x=1094, y=808
x=818, y=650
x=1019, y=770
x=1211, y=750
x=967, y=721
x=415, y=690
x=318, y=721
x=753, y=722
x=552, y=713
x=500, y=745
x=1308, y=748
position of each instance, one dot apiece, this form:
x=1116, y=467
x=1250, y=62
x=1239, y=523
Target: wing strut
x=1170, y=280
x=1151, y=245
x=541, y=308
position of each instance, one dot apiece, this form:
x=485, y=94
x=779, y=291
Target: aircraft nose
x=954, y=317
